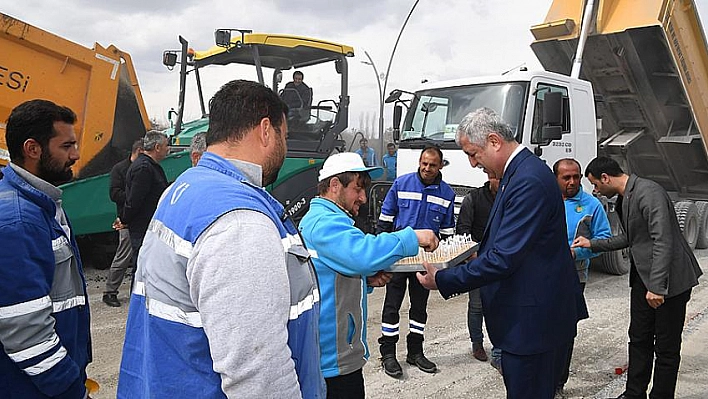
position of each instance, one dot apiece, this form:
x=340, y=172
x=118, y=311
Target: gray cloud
x=129, y=7
x=444, y=39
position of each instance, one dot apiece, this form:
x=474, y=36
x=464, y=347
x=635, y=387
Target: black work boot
x=419, y=360
x=391, y=366
x=111, y=300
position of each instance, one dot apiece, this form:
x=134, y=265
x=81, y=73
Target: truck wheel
x=687, y=215
x=702, y=241
x=615, y=262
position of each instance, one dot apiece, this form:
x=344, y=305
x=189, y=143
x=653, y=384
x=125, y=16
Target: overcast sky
x=444, y=39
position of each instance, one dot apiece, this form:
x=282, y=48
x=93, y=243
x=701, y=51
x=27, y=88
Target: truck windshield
x=435, y=114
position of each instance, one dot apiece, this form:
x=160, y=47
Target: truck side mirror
x=552, y=116
x=169, y=116
x=222, y=37
x=394, y=96
x=169, y=59
x=397, y=113
x=428, y=107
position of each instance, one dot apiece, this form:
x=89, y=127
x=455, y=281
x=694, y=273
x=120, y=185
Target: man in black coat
x=124, y=252
x=472, y=220
x=298, y=96
x=144, y=184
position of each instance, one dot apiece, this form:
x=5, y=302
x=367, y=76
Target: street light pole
x=381, y=99
x=378, y=79
x=390, y=61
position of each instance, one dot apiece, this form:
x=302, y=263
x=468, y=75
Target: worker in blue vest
x=390, y=162
x=421, y=200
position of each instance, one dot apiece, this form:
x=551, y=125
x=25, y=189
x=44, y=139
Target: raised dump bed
x=647, y=59
x=648, y=63
x=99, y=84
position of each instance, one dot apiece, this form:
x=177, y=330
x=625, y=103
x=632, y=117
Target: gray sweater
x=244, y=318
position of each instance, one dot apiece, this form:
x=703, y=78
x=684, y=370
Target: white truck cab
x=436, y=109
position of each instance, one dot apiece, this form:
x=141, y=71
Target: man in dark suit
x=663, y=271
x=530, y=291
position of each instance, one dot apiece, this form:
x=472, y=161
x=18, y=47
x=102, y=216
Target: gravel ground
x=600, y=348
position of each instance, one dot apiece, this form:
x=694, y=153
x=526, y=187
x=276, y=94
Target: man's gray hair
x=478, y=124
x=198, y=143
x=151, y=139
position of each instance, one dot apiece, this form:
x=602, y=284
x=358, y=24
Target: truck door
x=558, y=149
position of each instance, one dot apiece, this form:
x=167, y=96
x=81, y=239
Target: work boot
x=478, y=352
x=419, y=360
x=111, y=300
x=391, y=366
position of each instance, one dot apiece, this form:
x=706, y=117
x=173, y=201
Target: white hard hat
x=344, y=162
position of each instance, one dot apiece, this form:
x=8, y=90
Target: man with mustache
x=44, y=313
x=585, y=217
x=530, y=291
x=421, y=200
x=349, y=264
x=225, y=302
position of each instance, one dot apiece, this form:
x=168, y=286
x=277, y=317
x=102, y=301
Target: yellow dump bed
x=648, y=61
x=99, y=84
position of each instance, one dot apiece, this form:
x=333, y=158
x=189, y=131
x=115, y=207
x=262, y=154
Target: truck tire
x=614, y=262
x=687, y=215
x=702, y=241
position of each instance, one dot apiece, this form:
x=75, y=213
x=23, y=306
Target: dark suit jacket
x=530, y=290
x=662, y=257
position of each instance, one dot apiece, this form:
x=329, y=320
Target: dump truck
x=630, y=86
x=100, y=85
x=313, y=129
x=648, y=65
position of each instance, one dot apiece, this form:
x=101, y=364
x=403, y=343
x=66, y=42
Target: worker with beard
x=421, y=200
x=663, y=271
x=225, y=302
x=349, y=264
x=44, y=313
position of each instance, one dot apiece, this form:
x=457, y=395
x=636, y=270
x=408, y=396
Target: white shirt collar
x=516, y=152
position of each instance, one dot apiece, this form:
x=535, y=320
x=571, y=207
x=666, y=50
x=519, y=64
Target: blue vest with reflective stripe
x=413, y=204
x=222, y=189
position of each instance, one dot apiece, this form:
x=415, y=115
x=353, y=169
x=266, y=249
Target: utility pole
x=382, y=91
x=381, y=94
x=390, y=61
